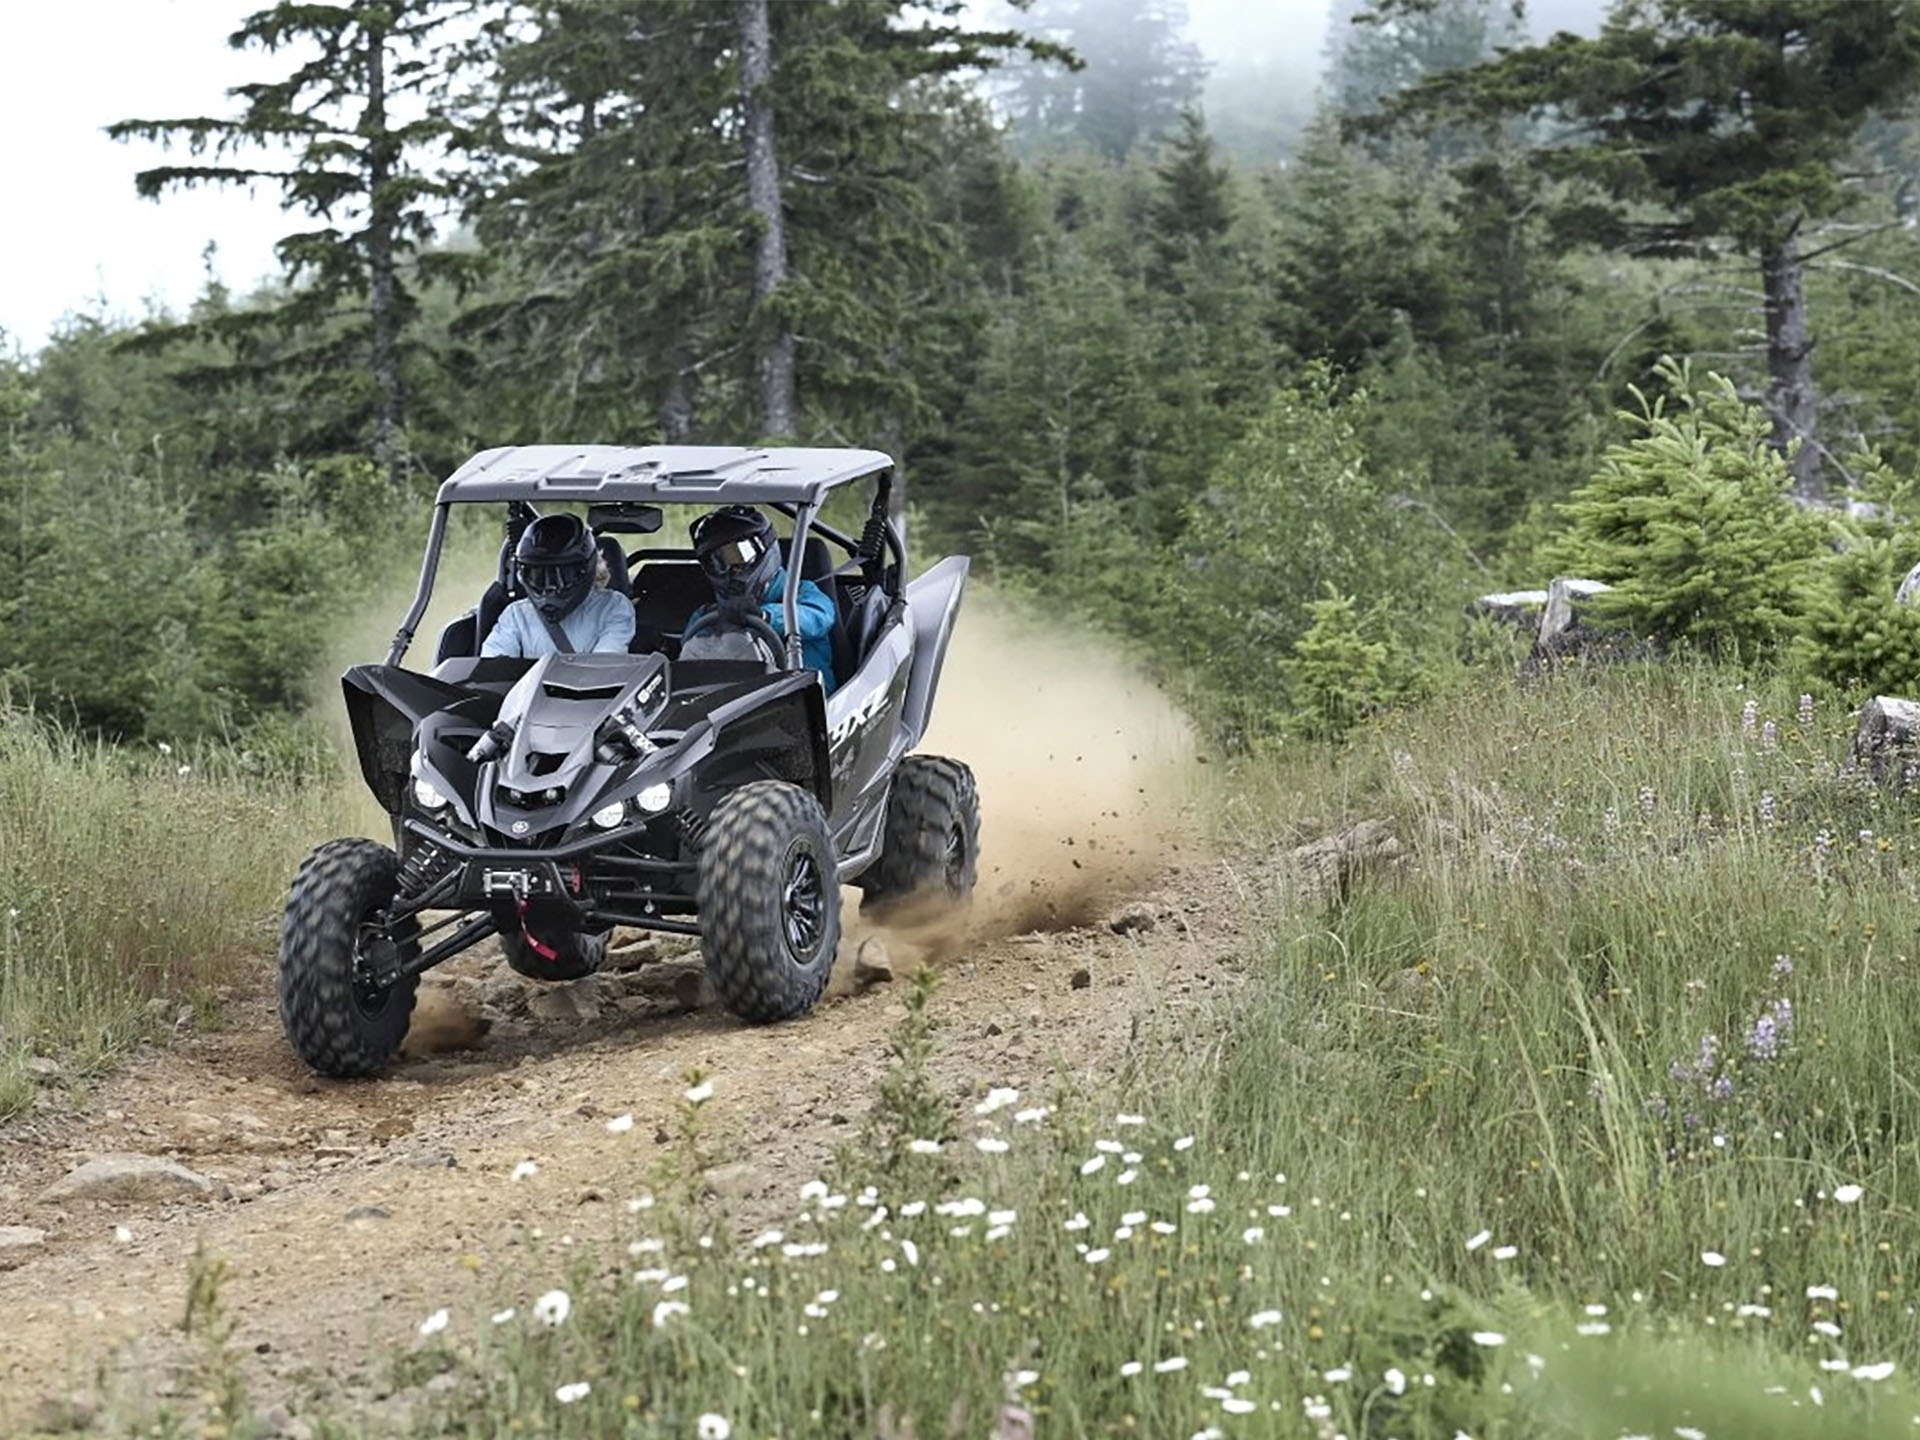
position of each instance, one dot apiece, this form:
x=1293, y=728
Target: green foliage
x=136, y=878
x=355, y=170
x=1691, y=523
x=1294, y=510
x=1744, y=136
x=1339, y=672
x=1853, y=636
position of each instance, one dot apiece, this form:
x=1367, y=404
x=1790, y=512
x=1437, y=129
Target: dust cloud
x=1084, y=769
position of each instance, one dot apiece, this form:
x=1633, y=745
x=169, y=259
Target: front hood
x=558, y=707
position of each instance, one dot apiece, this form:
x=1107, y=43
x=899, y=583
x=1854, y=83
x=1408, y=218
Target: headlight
x=654, y=798
x=608, y=817
x=426, y=796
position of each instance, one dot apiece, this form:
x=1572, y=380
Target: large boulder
x=1886, y=743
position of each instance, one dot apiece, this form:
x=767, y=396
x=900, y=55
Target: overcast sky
x=77, y=237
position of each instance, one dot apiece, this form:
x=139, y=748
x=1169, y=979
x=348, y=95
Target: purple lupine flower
x=1782, y=967
x=1722, y=1087
x=1769, y=736
x=1646, y=799
x=1805, y=713
x=1749, y=718
x=1771, y=1031
x=1709, y=1054
x=1769, y=807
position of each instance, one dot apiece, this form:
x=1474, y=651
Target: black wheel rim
x=804, y=904
x=956, y=859
x=369, y=997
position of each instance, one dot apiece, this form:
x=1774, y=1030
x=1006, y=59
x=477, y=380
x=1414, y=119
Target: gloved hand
x=519, y=516
x=738, y=610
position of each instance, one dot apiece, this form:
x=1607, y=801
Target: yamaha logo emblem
x=519, y=827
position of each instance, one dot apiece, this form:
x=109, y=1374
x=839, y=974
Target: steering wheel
x=753, y=622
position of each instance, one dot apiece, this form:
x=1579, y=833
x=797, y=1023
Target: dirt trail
x=346, y=1212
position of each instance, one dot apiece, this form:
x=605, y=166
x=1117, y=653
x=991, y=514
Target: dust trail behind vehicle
x=1084, y=769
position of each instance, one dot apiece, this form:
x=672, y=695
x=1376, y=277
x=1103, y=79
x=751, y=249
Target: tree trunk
x=383, y=289
x=1790, y=362
x=775, y=360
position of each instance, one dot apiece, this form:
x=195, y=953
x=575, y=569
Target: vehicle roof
x=709, y=474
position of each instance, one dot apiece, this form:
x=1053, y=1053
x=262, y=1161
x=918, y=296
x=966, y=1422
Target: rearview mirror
x=625, y=517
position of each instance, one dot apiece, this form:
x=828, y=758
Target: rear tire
x=930, y=848
x=336, y=1021
x=769, y=894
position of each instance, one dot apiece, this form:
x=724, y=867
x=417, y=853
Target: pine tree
x=1372, y=57
x=1192, y=210
x=1729, y=120
x=1691, y=522
x=1133, y=72
x=351, y=164
x=641, y=195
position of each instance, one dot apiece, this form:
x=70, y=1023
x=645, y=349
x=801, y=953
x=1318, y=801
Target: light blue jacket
x=600, y=624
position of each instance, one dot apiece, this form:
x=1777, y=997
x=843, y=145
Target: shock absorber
x=425, y=866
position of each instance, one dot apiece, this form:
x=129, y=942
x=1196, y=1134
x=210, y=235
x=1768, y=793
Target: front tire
x=930, y=849
x=769, y=894
x=337, y=1021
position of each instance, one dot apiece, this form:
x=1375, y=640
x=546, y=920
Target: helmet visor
x=551, y=578
x=733, y=556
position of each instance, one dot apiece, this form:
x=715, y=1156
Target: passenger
x=567, y=610
x=741, y=558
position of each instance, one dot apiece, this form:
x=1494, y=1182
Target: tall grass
x=1458, y=1158
x=129, y=877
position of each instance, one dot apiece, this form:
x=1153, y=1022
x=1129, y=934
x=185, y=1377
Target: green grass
x=132, y=877
x=1492, y=1039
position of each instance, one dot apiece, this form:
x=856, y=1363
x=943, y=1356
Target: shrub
x=1294, y=511
x=1691, y=522
x=1853, y=636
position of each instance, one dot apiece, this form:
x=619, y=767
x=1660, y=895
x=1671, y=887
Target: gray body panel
x=933, y=601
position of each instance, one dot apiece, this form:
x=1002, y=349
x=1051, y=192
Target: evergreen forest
x=1265, y=378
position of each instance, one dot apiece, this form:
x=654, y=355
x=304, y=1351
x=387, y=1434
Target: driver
x=738, y=553
x=565, y=611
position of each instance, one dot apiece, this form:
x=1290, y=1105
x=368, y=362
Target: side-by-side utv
x=547, y=801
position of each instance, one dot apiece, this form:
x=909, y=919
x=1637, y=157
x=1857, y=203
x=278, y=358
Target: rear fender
x=933, y=601
x=385, y=705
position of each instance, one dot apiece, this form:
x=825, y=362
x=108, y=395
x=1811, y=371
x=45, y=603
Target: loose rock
x=19, y=1244
x=1080, y=979
x=128, y=1177
x=872, y=965
x=737, y=1181
x=61, y=1416
x=1137, y=918
x=574, y=1001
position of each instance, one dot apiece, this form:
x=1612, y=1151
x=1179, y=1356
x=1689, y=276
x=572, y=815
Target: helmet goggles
x=732, y=557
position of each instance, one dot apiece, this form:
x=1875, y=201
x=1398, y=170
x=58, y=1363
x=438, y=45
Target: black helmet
x=555, y=561
x=737, y=550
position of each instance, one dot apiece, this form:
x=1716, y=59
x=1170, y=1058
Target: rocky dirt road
x=346, y=1212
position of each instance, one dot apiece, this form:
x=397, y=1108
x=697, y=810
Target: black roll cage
x=804, y=515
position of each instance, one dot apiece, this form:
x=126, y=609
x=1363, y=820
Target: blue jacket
x=815, y=613
x=600, y=624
